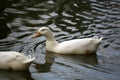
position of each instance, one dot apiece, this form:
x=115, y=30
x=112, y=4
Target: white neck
x=50, y=41
x=50, y=37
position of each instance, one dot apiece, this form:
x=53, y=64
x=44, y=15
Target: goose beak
x=37, y=34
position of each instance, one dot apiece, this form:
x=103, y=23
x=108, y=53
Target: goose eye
x=43, y=29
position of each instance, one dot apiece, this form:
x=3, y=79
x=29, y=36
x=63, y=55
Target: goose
x=14, y=60
x=75, y=46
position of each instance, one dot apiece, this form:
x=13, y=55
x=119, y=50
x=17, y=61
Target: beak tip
x=37, y=34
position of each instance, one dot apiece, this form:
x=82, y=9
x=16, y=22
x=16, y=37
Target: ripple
x=14, y=11
x=36, y=9
x=66, y=15
x=36, y=21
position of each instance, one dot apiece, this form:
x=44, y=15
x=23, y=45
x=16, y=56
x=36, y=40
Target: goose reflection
x=80, y=59
x=15, y=75
x=46, y=67
x=52, y=58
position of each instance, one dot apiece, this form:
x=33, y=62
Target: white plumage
x=14, y=60
x=75, y=46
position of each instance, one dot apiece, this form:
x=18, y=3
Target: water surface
x=74, y=19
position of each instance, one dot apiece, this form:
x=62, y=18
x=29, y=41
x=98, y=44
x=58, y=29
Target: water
x=19, y=19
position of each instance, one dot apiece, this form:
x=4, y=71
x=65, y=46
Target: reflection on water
x=15, y=75
x=19, y=19
x=51, y=57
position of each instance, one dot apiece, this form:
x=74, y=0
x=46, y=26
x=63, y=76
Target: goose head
x=44, y=31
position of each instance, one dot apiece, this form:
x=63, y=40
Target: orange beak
x=37, y=34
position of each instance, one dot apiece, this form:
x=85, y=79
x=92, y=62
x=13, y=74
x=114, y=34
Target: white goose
x=75, y=46
x=14, y=60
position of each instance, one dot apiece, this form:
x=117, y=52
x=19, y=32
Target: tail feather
x=99, y=39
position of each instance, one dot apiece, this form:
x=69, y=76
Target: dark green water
x=68, y=19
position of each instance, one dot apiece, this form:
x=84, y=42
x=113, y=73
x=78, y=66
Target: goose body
x=75, y=46
x=14, y=60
